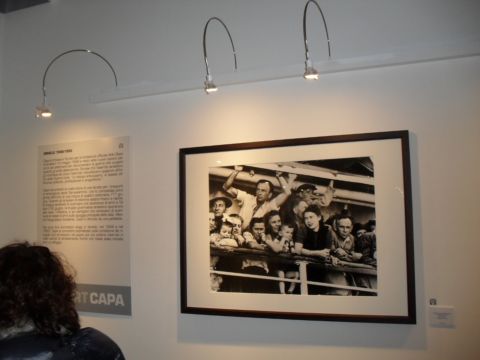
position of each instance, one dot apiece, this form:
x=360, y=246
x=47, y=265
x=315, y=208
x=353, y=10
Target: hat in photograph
x=305, y=187
x=219, y=195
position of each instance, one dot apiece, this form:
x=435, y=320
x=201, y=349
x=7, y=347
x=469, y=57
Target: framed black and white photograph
x=313, y=228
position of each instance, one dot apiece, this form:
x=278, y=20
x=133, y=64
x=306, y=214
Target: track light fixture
x=310, y=72
x=43, y=111
x=209, y=84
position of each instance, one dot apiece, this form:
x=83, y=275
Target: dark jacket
x=86, y=344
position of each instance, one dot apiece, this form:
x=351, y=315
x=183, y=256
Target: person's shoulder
x=28, y=346
x=90, y=343
x=36, y=346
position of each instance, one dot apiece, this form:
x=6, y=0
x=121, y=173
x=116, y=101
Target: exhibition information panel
x=83, y=213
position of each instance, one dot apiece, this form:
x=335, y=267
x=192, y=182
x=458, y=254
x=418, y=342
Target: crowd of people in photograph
x=289, y=223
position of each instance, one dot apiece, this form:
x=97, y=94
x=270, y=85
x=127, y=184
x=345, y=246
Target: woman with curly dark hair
x=37, y=309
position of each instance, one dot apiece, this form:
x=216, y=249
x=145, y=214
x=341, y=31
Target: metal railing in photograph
x=302, y=262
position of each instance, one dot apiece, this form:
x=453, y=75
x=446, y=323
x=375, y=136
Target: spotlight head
x=310, y=72
x=210, y=87
x=42, y=111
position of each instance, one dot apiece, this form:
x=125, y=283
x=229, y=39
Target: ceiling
x=7, y=6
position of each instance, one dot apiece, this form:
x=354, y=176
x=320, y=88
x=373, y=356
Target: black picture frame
x=385, y=154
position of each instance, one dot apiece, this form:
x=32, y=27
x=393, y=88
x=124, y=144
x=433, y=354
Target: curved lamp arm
x=209, y=85
x=43, y=111
x=310, y=72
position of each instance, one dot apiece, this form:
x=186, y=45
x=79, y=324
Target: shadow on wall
x=252, y=331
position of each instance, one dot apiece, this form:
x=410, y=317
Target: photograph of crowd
x=294, y=228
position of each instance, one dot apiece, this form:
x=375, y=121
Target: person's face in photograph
x=263, y=192
x=219, y=207
x=226, y=231
x=299, y=209
x=275, y=223
x=237, y=225
x=312, y=220
x=344, y=227
x=286, y=232
x=307, y=196
x=258, y=229
x=321, y=199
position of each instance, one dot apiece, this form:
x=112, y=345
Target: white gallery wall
x=158, y=42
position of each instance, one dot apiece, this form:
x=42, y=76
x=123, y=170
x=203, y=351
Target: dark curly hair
x=36, y=285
